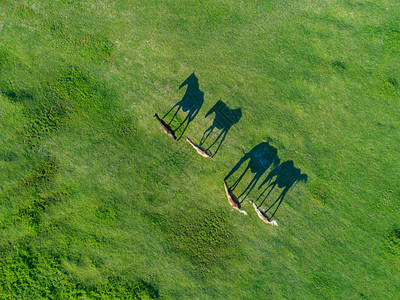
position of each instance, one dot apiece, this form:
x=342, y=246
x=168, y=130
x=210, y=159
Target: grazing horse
x=166, y=128
x=263, y=216
x=233, y=201
x=201, y=150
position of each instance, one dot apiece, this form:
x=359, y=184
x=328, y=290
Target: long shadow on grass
x=283, y=176
x=260, y=159
x=191, y=103
x=224, y=119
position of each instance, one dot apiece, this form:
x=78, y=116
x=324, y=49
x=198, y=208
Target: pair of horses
x=282, y=175
x=191, y=103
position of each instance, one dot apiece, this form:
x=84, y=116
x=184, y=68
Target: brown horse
x=233, y=201
x=167, y=129
x=201, y=150
x=263, y=216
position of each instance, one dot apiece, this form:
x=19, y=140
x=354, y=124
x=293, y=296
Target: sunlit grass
x=97, y=202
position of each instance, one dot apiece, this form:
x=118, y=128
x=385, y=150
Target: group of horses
x=260, y=159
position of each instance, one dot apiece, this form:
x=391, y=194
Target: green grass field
x=98, y=203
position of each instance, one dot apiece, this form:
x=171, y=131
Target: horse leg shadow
x=239, y=179
x=223, y=138
x=209, y=130
x=272, y=185
x=280, y=199
x=173, y=117
x=249, y=188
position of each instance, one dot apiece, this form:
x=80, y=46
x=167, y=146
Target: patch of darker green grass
x=8, y=156
x=27, y=272
x=205, y=238
x=43, y=174
x=392, y=241
x=98, y=44
x=321, y=192
x=73, y=85
x=76, y=86
x=389, y=86
x=49, y=121
x=28, y=197
x=44, y=193
x=322, y=285
x=18, y=96
x=48, y=199
x=53, y=103
x=123, y=125
x=338, y=65
x=71, y=92
x=119, y=288
x=392, y=39
x=107, y=210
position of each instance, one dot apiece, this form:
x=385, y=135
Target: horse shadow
x=260, y=159
x=282, y=176
x=224, y=119
x=191, y=103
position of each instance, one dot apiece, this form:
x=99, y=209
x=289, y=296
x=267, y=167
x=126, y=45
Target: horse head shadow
x=282, y=176
x=261, y=158
x=224, y=119
x=191, y=102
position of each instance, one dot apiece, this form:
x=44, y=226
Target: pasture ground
x=97, y=202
